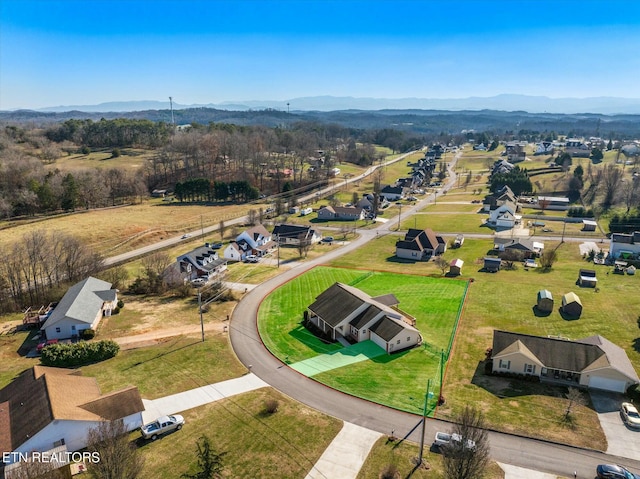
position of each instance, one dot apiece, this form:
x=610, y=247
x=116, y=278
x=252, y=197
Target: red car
x=43, y=344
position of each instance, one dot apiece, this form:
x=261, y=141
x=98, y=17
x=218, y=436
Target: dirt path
x=150, y=339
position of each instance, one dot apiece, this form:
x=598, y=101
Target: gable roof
x=397, y=190
x=365, y=316
x=387, y=328
x=336, y=303
x=42, y=394
x=571, y=298
x=426, y=238
x=545, y=294
x=257, y=231
x=292, y=231
x=82, y=301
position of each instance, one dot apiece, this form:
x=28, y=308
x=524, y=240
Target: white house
x=345, y=311
x=202, y=262
x=44, y=408
x=254, y=241
x=341, y=213
x=420, y=245
x=592, y=362
x=82, y=307
x=293, y=235
x=392, y=193
x=624, y=245
x=504, y=215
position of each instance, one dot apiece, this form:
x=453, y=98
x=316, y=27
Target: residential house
x=44, y=408
x=255, y=241
x=501, y=166
x=587, y=278
x=545, y=148
x=455, y=267
x=341, y=213
x=202, y=262
x=392, y=193
x=592, y=362
x=515, y=151
x=545, y=301
x=571, y=305
x=82, y=307
x=492, y=265
x=345, y=311
x=528, y=248
x=577, y=148
x=504, y=215
x=624, y=245
x=420, y=245
x=294, y=235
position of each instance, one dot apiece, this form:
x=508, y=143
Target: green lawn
x=398, y=380
x=461, y=223
x=285, y=444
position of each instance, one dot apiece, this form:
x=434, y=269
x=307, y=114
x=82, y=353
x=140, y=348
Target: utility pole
x=278, y=241
x=564, y=227
x=173, y=122
x=424, y=421
x=399, y=214
x=200, y=308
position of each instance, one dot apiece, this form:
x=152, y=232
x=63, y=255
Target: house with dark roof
x=82, y=307
x=624, y=245
x=592, y=362
x=392, y=193
x=528, y=248
x=255, y=241
x=294, y=235
x=202, y=262
x=45, y=408
x=341, y=213
x=491, y=265
x=420, y=245
x=342, y=311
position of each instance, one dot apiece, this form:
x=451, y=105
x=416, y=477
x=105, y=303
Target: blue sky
x=63, y=52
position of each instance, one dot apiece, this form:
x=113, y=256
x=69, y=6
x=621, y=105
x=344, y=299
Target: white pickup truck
x=162, y=425
x=444, y=438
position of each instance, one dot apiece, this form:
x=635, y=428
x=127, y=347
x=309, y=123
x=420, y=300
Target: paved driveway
x=623, y=441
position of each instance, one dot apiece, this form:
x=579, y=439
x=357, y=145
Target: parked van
x=306, y=211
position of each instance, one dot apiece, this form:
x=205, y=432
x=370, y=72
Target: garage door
x=608, y=384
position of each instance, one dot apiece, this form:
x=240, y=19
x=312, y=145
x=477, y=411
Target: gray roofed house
x=342, y=311
x=202, y=262
x=592, y=362
x=82, y=307
x=420, y=245
x=624, y=245
x=288, y=234
x=392, y=193
x=342, y=213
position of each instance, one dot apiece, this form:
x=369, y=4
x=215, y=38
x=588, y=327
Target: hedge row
x=77, y=354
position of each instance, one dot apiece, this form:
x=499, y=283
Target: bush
x=88, y=334
x=390, y=471
x=77, y=354
x=115, y=153
x=271, y=406
x=120, y=304
x=115, y=310
x=85, y=150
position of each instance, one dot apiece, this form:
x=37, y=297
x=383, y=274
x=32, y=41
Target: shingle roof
x=387, y=328
x=387, y=299
x=363, y=318
x=292, y=231
x=570, y=298
x=335, y=304
x=81, y=302
x=256, y=231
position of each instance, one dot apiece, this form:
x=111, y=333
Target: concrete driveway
x=622, y=440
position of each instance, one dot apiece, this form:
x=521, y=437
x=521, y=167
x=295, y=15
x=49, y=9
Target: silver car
x=162, y=425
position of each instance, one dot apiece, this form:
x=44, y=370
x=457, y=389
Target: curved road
x=529, y=453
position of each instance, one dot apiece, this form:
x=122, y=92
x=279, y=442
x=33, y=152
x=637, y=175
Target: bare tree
x=469, y=457
x=631, y=192
x=34, y=469
x=548, y=258
x=119, y=459
x=441, y=263
x=222, y=228
x=304, y=245
x=611, y=176
x=576, y=398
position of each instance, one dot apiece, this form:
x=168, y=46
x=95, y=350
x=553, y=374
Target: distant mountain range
x=505, y=102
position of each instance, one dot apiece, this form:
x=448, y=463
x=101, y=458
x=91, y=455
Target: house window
x=57, y=330
x=408, y=338
x=543, y=371
x=398, y=342
x=504, y=364
x=73, y=327
x=530, y=368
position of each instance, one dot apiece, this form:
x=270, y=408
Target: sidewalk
x=515, y=472
x=346, y=454
x=199, y=396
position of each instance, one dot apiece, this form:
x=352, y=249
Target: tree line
x=203, y=189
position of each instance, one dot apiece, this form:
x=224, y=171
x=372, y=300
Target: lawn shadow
x=161, y=355
x=636, y=345
x=539, y=313
x=568, y=317
x=395, y=259
x=310, y=340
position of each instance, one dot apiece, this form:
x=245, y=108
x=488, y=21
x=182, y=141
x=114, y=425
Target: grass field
x=398, y=380
x=460, y=223
x=285, y=444
x=130, y=159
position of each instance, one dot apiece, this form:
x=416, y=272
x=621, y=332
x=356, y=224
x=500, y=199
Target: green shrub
x=88, y=334
x=77, y=354
x=115, y=310
x=120, y=304
x=85, y=150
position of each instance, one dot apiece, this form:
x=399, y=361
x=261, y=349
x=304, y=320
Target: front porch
x=560, y=377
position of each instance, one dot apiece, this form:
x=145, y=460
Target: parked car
x=162, y=425
x=630, y=414
x=44, y=343
x=185, y=236
x=197, y=282
x=613, y=471
x=252, y=258
x=327, y=239
x=444, y=439
x=216, y=245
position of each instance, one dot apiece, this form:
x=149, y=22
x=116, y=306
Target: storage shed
x=587, y=278
x=571, y=305
x=545, y=301
x=589, y=225
x=455, y=267
x=492, y=264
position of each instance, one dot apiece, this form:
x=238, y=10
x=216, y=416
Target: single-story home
x=202, y=262
x=571, y=305
x=294, y=235
x=624, y=245
x=592, y=362
x=345, y=311
x=253, y=241
x=82, y=307
x=492, y=264
x=420, y=245
x=545, y=301
x=342, y=213
x=44, y=408
x=455, y=267
x=587, y=278
x=529, y=248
